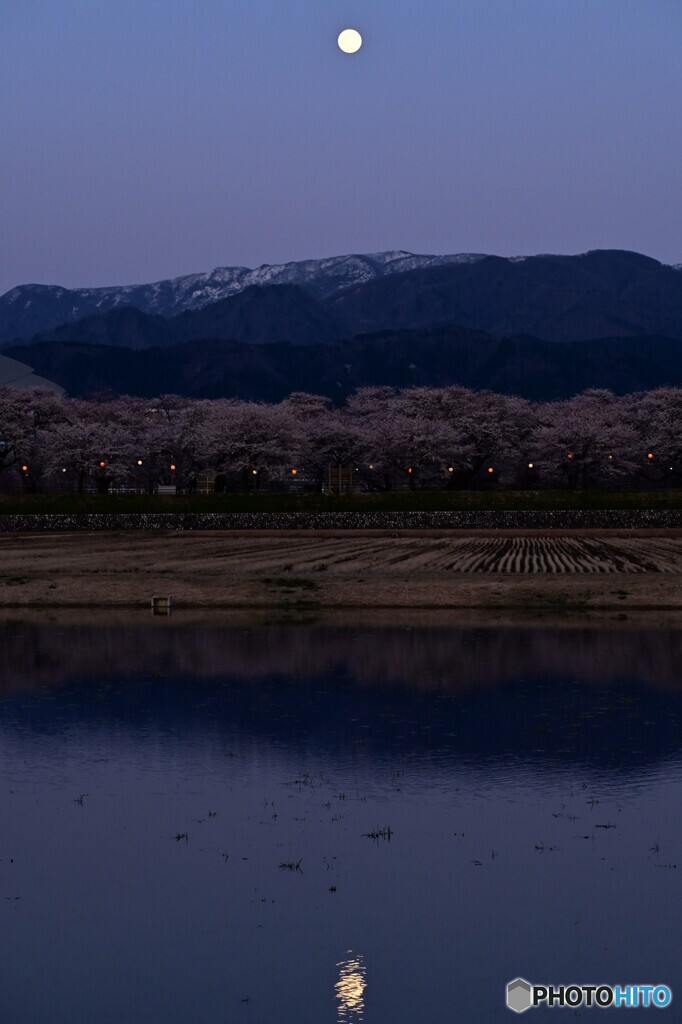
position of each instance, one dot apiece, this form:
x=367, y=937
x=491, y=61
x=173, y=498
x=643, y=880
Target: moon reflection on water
x=350, y=989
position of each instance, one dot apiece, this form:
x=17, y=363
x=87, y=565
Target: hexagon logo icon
x=519, y=995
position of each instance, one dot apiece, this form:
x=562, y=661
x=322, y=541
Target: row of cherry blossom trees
x=412, y=438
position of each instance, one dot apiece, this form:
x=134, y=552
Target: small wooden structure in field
x=161, y=605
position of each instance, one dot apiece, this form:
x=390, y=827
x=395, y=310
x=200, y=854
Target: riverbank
x=542, y=570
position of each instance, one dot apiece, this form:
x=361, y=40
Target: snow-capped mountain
x=30, y=308
x=321, y=278
x=600, y=293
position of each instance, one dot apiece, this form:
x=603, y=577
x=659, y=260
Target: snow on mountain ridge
x=28, y=309
x=169, y=297
x=31, y=308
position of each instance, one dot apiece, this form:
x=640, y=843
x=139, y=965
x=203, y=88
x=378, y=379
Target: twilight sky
x=144, y=139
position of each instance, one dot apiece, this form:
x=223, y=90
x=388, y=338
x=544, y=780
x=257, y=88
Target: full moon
x=350, y=40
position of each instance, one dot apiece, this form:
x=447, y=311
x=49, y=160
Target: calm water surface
x=298, y=824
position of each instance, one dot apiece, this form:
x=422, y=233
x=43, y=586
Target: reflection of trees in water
x=441, y=659
x=350, y=989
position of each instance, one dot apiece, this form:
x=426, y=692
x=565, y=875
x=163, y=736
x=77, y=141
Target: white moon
x=350, y=40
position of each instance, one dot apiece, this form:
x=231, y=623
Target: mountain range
x=604, y=293
x=216, y=368
x=30, y=308
x=542, y=326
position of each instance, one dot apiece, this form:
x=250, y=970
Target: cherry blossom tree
x=439, y=434
x=585, y=440
x=16, y=427
x=656, y=417
x=322, y=436
x=251, y=438
x=427, y=437
x=491, y=434
x=27, y=418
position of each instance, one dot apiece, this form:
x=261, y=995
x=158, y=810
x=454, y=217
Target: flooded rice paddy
x=379, y=821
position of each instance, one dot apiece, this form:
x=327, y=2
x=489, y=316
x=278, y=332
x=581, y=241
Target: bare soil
x=548, y=570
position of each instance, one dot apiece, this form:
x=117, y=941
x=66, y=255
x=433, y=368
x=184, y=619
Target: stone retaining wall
x=577, y=519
